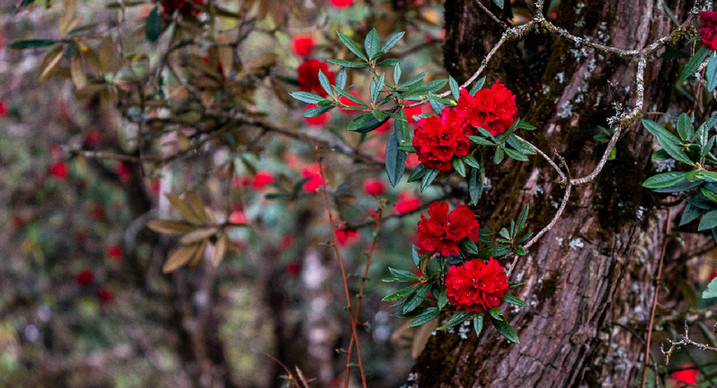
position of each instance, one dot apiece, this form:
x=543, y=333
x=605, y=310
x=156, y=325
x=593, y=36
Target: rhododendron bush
x=358, y=193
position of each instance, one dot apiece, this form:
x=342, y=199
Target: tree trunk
x=590, y=278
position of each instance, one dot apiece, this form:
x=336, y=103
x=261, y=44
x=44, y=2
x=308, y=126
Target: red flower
x=59, y=170
x=114, y=251
x=346, y=236
x=122, y=171
x=444, y=231
x=414, y=111
x=238, y=217
x=185, y=7
x=493, y=109
x=316, y=121
x=85, y=277
x=312, y=172
x=309, y=76
x=262, y=179
x=374, y=187
x=293, y=269
x=476, y=286
x=708, y=32
x=407, y=202
x=3, y=109
x=341, y=3
x=105, y=295
x=303, y=45
x=686, y=376
x=438, y=139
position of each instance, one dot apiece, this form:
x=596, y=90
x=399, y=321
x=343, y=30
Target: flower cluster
x=444, y=231
x=493, y=109
x=186, y=8
x=708, y=32
x=438, y=139
x=476, y=285
x=309, y=76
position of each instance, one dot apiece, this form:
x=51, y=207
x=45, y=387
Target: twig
x=344, y=277
x=684, y=341
x=491, y=15
x=654, y=297
x=557, y=169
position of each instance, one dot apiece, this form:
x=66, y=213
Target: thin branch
x=491, y=15
x=344, y=277
x=654, y=298
x=557, y=169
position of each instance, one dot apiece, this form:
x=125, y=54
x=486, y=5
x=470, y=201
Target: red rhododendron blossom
x=114, y=251
x=708, y=32
x=59, y=170
x=85, y=277
x=686, y=376
x=414, y=111
x=238, y=217
x=493, y=109
x=314, y=176
x=309, y=76
x=407, y=202
x=346, y=236
x=341, y=3
x=105, y=295
x=262, y=179
x=316, y=121
x=438, y=139
x=444, y=231
x=374, y=187
x=122, y=171
x=303, y=45
x=3, y=109
x=293, y=269
x=185, y=7
x=476, y=285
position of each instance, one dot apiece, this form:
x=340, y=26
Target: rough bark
x=595, y=268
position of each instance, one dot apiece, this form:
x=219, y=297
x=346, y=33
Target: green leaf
x=459, y=166
x=485, y=133
x=318, y=111
x=517, y=155
x=522, y=218
x=668, y=141
x=349, y=64
x=351, y=45
x=477, y=86
x=481, y=141
x=365, y=123
x=325, y=84
x=694, y=63
x=505, y=329
x=308, y=98
x=665, y=179
x=428, y=178
x=395, y=160
x=711, y=72
x=469, y=246
x=416, y=299
x=475, y=186
x=31, y=43
x=495, y=251
x=426, y=316
x=690, y=214
x=521, y=146
x=523, y=125
x=414, y=80
x=414, y=254
x=471, y=161
x=372, y=42
x=400, y=275
x=153, y=25
x=397, y=73
x=388, y=62
x=514, y=300
x=391, y=41
x=498, y=156
x=400, y=294
x=711, y=291
x=520, y=251
x=441, y=297
x=660, y=155
x=436, y=106
x=684, y=127
x=499, y=3
x=455, y=89
x=419, y=172
x=708, y=221
x=457, y=318
x=478, y=323
x=341, y=78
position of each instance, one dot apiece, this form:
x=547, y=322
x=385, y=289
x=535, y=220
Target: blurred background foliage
x=109, y=107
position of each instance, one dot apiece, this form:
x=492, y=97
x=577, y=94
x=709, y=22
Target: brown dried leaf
x=225, y=54
x=51, y=67
x=181, y=256
x=220, y=249
x=197, y=205
x=67, y=19
x=199, y=253
x=79, y=78
x=170, y=227
x=420, y=339
x=198, y=235
x=181, y=207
